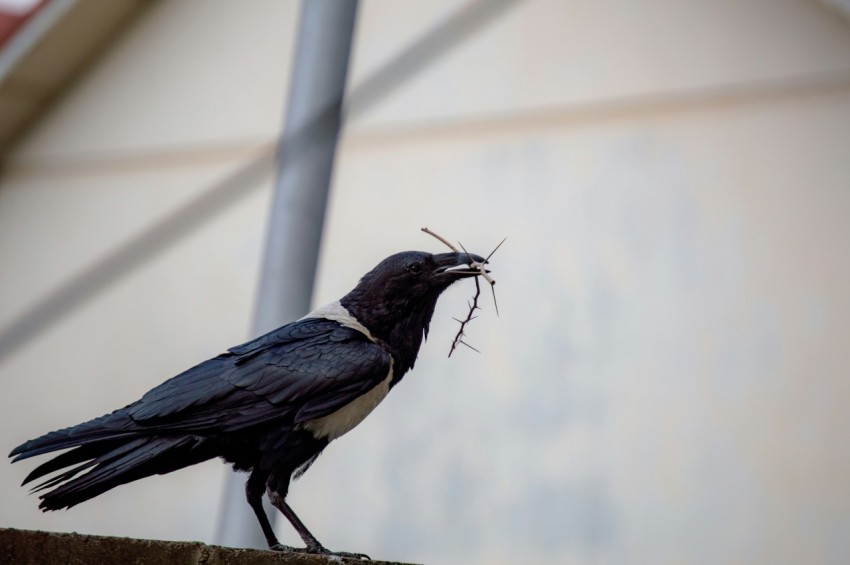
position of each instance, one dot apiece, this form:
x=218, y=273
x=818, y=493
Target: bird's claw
x=349, y=555
x=322, y=550
x=281, y=547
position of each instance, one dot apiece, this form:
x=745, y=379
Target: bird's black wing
x=304, y=370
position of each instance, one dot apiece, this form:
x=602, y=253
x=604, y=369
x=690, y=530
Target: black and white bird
x=269, y=406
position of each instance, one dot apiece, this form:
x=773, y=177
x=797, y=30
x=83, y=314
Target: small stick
x=497, y=248
x=441, y=238
x=493, y=283
x=480, y=266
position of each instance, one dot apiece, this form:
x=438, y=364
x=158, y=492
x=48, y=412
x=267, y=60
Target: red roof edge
x=11, y=21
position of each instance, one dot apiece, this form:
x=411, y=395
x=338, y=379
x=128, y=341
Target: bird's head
x=396, y=299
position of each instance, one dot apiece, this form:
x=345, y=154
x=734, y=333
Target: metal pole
x=313, y=120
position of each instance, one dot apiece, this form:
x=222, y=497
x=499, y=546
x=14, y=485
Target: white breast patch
x=346, y=418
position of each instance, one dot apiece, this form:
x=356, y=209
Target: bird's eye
x=414, y=268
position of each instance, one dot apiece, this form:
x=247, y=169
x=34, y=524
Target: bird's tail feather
x=113, y=463
x=108, y=451
x=114, y=426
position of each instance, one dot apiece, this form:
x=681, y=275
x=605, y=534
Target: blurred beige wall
x=667, y=381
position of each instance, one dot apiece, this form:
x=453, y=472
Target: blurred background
x=668, y=379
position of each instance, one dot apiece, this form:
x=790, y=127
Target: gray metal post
x=295, y=226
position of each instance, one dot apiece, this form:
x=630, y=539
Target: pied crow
x=268, y=406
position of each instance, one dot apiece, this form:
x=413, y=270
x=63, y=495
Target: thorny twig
x=473, y=306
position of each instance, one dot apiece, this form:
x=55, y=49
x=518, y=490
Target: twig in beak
x=497, y=248
x=490, y=280
x=480, y=266
x=441, y=238
x=473, y=306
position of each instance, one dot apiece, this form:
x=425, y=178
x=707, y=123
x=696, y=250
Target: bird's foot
x=281, y=547
x=322, y=550
x=349, y=555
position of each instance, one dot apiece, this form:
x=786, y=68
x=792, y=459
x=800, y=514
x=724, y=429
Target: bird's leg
x=254, y=493
x=313, y=545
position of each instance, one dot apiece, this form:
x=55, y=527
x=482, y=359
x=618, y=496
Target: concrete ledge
x=24, y=546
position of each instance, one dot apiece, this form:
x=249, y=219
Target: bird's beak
x=458, y=265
